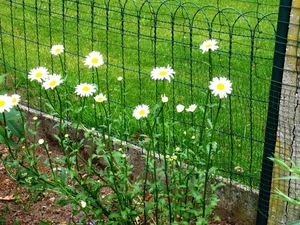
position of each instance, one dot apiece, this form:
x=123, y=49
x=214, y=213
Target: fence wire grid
x=136, y=36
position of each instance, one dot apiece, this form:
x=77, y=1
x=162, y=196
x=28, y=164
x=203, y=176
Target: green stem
x=203, y=120
x=147, y=169
x=6, y=136
x=210, y=72
x=97, y=77
x=62, y=65
x=61, y=116
x=208, y=162
x=50, y=162
x=24, y=128
x=111, y=163
x=166, y=166
x=76, y=136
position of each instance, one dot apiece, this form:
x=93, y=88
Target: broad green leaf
x=13, y=144
x=44, y=223
x=63, y=176
x=15, y=128
x=2, y=136
x=295, y=223
x=2, y=77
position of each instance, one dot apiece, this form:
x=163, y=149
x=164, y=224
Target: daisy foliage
x=52, y=81
x=39, y=74
x=141, y=111
x=57, y=49
x=85, y=89
x=220, y=86
x=209, y=45
x=94, y=59
x=161, y=73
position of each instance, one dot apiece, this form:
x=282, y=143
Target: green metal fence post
x=273, y=111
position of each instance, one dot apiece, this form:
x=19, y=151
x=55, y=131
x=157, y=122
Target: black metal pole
x=273, y=111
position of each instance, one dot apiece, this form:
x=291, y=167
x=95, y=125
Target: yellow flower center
x=57, y=50
x=163, y=73
x=14, y=100
x=86, y=88
x=2, y=103
x=142, y=112
x=220, y=87
x=53, y=83
x=95, y=60
x=209, y=45
x=39, y=74
x=100, y=99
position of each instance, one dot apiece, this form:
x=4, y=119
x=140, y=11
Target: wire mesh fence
x=136, y=36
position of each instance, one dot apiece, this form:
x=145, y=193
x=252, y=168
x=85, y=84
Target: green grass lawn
x=136, y=36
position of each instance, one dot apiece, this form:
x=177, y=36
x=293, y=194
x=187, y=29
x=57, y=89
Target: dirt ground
x=16, y=203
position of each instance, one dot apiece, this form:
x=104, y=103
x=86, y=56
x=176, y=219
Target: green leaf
x=16, y=222
x=114, y=215
x=44, y=223
x=2, y=139
x=13, y=144
x=2, y=77
x=63, y=176
x=15, y=128
x=13, y=114
x=287, y=178
x=295, y=223
x=62, y=202
x=2, y=131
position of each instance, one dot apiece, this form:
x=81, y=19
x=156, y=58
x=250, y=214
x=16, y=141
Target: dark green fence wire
x=136, y=36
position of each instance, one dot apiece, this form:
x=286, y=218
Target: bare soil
x=17, y=204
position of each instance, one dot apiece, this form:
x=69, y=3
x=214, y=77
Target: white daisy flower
x=94, y=59
x=100, y=98
x=57, y=49
x=15, y=99
x=164, y=99
x=39, y=74
x=141, y=111
x=120, y=79
x=180, y=108
x=220, y=86
x=191, y=108
x=41, y=141
x=5, y=103
x=85, y=90
x=160, y=73
x=209, y=45
x=52, y=81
